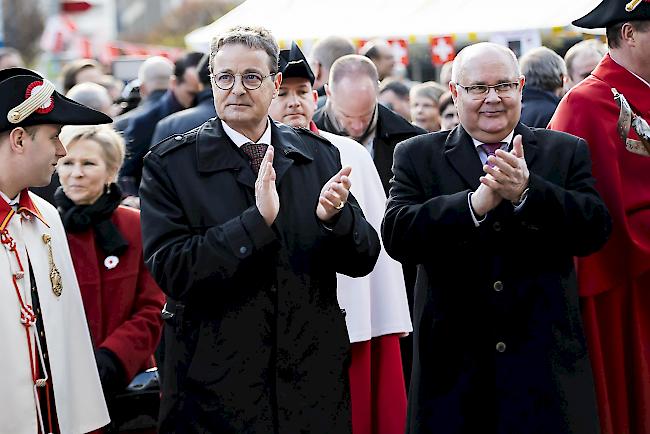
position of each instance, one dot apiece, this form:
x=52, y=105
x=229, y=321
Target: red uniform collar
x=25, y=206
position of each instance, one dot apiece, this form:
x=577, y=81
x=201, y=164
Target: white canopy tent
x=314, y=19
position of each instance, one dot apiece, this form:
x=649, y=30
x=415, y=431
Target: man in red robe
x=615, y=281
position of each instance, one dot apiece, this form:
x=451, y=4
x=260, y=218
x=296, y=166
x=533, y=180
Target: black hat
x=294, y=64
x=610, y=12
x=28, y=99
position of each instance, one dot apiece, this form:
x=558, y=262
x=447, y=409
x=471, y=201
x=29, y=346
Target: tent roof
x=314, y=19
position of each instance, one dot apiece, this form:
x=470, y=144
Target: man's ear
x=327, y=91
x=16, y=138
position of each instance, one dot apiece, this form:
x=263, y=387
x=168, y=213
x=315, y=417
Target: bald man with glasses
x=493, y=212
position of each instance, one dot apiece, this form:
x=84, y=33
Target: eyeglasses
x=481, y=90
x=250, y=80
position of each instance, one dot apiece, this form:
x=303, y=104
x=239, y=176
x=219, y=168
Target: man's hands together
x=506, y=180
x=333, y=195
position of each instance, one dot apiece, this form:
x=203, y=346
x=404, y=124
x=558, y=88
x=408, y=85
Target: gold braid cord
x=55, y=276
x=35, y=100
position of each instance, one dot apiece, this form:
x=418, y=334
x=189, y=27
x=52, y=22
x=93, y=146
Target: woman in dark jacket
x=122, y=301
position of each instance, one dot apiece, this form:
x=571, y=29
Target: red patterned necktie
x=490, y=149
x=255, y=153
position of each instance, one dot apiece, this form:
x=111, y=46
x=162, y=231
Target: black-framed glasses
x=481, y=90
x=250, y=80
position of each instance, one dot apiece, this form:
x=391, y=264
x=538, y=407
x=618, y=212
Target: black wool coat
x=260, y=344
x=498, y=339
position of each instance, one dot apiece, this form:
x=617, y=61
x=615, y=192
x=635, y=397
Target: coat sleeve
x=414, y=222
x=572, y=217
x=135, y=340
x=356, y=243
x=181, y=260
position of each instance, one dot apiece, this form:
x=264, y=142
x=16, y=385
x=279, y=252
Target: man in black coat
x=185, y=120
x=255, y=339
x=494, y=211
x=545, y=74
x=153, y=78
x=137, y=137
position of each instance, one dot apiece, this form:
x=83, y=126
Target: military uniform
x=48, y=376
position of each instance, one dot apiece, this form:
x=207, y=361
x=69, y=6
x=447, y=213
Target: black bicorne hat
x=294, y=64
x=28, y=99
x=610, y=12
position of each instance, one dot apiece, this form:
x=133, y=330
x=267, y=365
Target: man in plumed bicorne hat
x=48, y=376
x=610, y=110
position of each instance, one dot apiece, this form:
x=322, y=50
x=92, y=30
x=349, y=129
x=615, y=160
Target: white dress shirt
x=239, y=139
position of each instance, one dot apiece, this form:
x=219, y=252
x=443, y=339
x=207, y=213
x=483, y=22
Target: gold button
x=42, y=334
x=501, y=347
x=498, y=286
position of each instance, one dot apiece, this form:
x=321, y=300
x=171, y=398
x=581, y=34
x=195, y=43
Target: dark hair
x=190, y=60
x=257, y=38
x=614, y=31
x=203, y=69
x=71, y=69
x=395, y=86
x=445, y=101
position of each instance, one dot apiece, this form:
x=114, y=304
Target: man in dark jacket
x=245, y=225
x=181, y=94
x=352, y=110
x=185, y=120
x=545, y=74
x=153, y=76
x=494, y=212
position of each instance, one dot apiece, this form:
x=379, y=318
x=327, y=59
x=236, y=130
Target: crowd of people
x=272, y=241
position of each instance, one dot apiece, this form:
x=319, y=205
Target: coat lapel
x=529, y=142
x=289, y=149
x=461, y=154
x=215, y=152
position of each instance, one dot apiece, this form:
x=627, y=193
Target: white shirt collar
x=239, y=139
x=12, y=202
x=507, y=139
x=642, y=80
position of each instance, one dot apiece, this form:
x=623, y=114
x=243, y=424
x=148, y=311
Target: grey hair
x=589, y=46
x=472, y=50
x=428, y=89
x=543, y=69
x=90, y=94
x=353, y=65
x=155, y=72
x=257, y=38
x=327, y=51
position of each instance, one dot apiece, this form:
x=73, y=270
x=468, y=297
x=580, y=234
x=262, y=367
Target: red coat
x=615, y=282
x=122, y=304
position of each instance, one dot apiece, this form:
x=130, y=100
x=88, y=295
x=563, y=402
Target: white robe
x=80, y=405
x=376, y=304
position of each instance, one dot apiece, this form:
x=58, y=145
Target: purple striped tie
x=490, y=149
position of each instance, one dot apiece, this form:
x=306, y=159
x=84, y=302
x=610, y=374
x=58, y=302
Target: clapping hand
x=509, y=176
x=266, y=195
x=334, y=195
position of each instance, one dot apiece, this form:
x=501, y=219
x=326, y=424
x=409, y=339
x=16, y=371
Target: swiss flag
x=400, y=50
x=442, y=49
